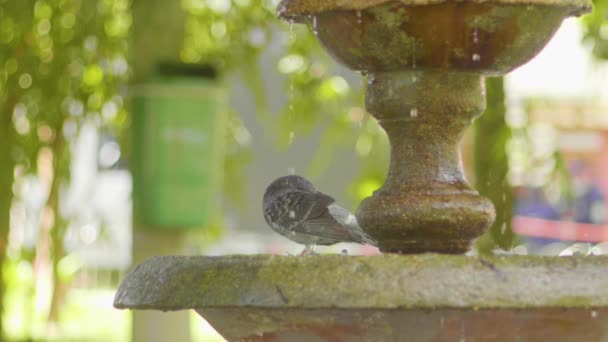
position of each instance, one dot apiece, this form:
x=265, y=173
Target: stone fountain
x=425, y=61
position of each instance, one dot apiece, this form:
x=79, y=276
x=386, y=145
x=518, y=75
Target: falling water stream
x=414, y=110
x=476, y=57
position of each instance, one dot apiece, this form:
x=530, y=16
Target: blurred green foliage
x=61, y=64
x=491, y=166
x=595, y=27
x=229, y=35
x=232, y=35
x=64, y=63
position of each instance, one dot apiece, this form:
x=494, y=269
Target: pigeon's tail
x=365, y=239
x=348, y=220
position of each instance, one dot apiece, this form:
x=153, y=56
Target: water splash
x=414, y=112
x=476, y=57
x=291, y=171
x=600, y=249
x=579, y=248
x=593, y=314
x=292, y=214
x=519, y=250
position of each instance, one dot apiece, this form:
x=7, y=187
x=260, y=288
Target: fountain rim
x=353, y=282
x=297, y=10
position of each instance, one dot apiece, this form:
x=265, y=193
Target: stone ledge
x=426, y=281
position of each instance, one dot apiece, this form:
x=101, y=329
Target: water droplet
x=314, y=25
x=476, y=57
x=593, y=314
x=292, y=214
x=291, y=171
x=370, y=79
x=414, y=78
x=476, y=35
x=290, y=27
x=291, y=136
x=358, y=17
x=503, y=228
x=291, y=96
x=414, y=112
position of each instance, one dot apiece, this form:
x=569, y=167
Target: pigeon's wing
x=315, y=218
x=294, y=207
x=316, y=215
x=327, y=227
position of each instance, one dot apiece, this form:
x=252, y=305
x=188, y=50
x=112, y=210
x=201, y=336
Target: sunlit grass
x=87, y=315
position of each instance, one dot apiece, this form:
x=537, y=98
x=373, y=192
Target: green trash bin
x=178, y=134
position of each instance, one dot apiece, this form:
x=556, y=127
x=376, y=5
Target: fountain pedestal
x=425, y=203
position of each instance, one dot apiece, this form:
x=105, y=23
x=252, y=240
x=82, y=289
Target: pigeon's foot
x=309, y=250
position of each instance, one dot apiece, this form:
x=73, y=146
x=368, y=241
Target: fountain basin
x=486, y=37
x=426, y=297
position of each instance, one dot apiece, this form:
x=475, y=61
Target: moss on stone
x=298, y=9
x=425, y=281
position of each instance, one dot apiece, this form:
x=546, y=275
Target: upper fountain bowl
x=490, y=37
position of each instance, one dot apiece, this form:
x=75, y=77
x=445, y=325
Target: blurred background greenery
x=65, y=65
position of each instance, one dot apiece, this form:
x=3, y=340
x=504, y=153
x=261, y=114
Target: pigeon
x=296, y=210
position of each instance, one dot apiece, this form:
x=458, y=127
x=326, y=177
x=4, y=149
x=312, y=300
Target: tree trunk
x=491, y=165
x=59, y=224
x=7, y=168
